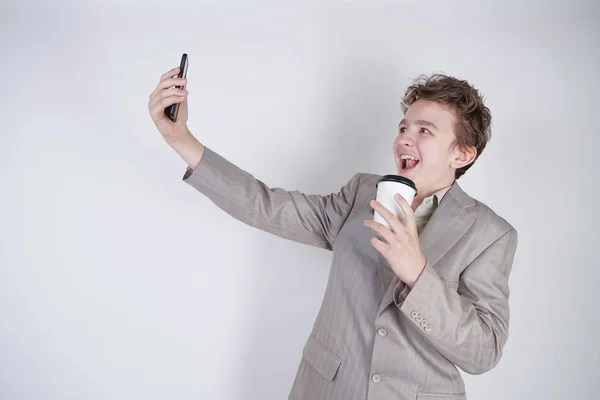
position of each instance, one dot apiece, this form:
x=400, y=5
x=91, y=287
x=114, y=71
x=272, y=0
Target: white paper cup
x=387, y=187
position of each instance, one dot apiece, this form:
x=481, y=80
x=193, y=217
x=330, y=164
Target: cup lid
x=398, y=178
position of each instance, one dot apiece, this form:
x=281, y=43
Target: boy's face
x=426, y=133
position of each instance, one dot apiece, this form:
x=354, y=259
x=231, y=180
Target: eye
x=423, y=130
x=402, y=130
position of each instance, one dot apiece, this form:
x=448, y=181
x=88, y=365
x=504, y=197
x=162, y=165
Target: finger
x=409, y=215
x=381, y=229
x=158, y=109
x=169, y=74
x=167, y=93
x=166, y=76
x=379, y=245
x=169, y=82
x=395, y=224
x=165, y=84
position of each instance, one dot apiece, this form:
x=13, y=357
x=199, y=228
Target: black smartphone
x=173, y=109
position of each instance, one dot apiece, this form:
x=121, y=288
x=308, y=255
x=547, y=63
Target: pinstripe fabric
x=374, y=338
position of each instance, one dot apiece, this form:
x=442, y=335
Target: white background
x=119, y=281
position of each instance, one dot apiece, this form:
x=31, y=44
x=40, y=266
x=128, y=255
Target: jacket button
x=414, y=314
x=376, y=378
x=427, y=328
x=382, y=332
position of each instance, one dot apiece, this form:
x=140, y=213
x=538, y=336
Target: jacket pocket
x=441, y=396
x=320, y=358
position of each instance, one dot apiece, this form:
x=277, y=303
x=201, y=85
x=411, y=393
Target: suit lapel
x=447, y=225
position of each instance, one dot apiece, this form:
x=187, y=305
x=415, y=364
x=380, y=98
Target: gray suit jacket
x=374, y=337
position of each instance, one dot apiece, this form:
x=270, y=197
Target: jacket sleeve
x=310, y=219
x=469, y=326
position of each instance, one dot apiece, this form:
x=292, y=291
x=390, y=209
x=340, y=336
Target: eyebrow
x=419, y=122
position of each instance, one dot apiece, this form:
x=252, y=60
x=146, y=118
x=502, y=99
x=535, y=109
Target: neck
x=423, y=194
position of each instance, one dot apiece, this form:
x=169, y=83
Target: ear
x=463, y=157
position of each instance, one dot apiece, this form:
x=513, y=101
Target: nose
x=406, y=140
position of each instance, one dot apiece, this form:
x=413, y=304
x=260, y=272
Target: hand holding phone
x=163, y=107
x=164, y=101
x=172, y=110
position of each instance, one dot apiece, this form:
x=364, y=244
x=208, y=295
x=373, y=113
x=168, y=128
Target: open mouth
x=408, y=162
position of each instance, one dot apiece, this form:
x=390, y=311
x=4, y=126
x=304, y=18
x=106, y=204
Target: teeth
x=408, y=157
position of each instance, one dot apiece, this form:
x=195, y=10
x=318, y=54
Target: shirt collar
x=430, y=203
x=439, y=195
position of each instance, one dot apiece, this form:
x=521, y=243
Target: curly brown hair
x=473, y=118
